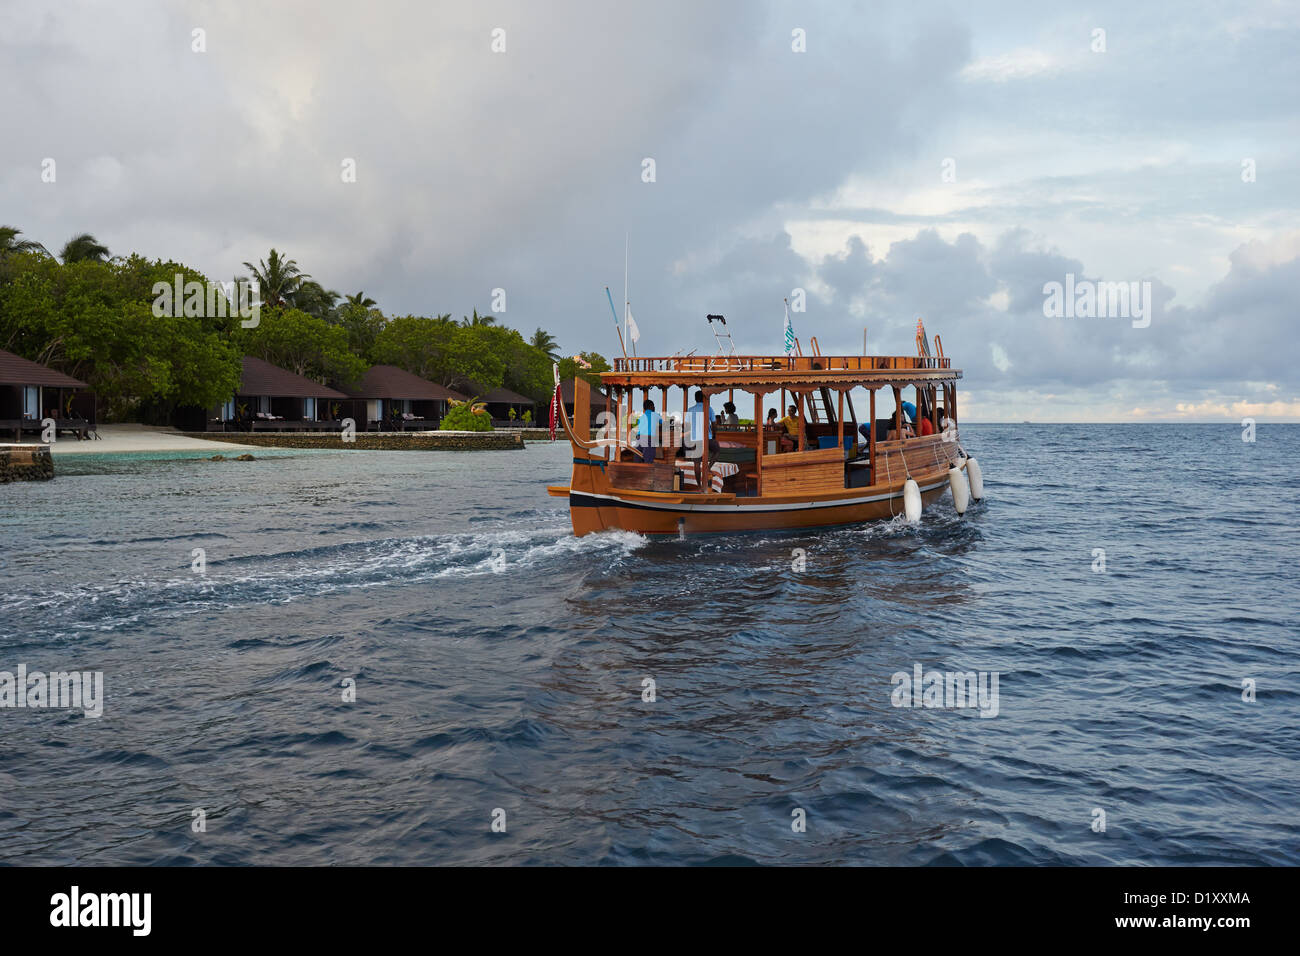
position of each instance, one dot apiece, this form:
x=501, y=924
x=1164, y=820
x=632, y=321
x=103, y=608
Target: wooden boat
x=835, y=475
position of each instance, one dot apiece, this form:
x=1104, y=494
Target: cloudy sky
x=915, y=159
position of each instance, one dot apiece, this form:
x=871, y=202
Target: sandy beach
x=127, y=438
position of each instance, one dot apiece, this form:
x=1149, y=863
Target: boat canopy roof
x=769, y=372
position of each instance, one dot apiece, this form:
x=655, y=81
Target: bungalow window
x=264, y=403
x=31, y=401
x=309, y=409
x=228, y=411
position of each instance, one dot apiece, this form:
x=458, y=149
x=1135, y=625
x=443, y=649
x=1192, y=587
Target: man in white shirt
x=699, y=417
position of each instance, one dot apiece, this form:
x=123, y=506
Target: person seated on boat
x=907, y=432
x=791, y=423
x=648, y=429
x=926, y=427
x=774, y=425
x=729, y=419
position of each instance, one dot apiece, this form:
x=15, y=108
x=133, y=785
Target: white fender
x=960, y=493
x=912, y=501
x=976, y=479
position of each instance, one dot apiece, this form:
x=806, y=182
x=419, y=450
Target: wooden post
x=706, y=476
x=840, y=420
x=803, y=436
x=664, y=430
x=762, y=440
x=871, y=442
x=608, y=454
x=898, y=411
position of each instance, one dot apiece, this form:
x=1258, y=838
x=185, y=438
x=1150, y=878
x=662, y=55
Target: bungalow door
x=31, y=401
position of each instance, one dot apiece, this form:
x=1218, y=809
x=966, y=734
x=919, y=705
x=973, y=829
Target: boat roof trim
x=806, y=370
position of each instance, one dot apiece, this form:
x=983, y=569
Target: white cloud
x=1016, y=65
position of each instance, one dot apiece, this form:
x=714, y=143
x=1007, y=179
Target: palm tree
x=83, y=248
x=10, y=243
x=279, y=278
x=362, y=300
x=477, y=320
x=315, y=299
x=546, y=342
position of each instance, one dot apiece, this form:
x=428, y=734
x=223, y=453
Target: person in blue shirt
x=699, y=417
x=648, y=432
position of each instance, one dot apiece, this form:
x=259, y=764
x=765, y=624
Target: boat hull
x=592, y=512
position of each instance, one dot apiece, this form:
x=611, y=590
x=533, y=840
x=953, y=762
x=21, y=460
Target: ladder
x=817, y=411
x=730, y=347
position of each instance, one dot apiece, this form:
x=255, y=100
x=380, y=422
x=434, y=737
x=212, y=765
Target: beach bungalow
x=31, y=392
x=566, y=396
x=500, y=402
x=272, y=399
x=389, y=398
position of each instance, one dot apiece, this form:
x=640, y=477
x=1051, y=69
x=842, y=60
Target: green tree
x=362, y=300
x=440, y=350
x=314, y=299
x=83, y=248
x=278, y=278
x=97, y=321
x=11, y=244
x=570, y=369
x=545, y=342
x=525, y=368
x=362, y=326
x=303, y=344
x=477, y=320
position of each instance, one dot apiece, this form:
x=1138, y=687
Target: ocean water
x=500, y=665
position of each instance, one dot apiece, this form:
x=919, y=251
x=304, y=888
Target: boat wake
x=285, y=577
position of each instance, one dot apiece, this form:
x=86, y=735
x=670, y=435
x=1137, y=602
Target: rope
x=555, y=399
x=889, y=481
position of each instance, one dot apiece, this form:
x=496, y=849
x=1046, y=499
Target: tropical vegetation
x=95, y=317
x=466, y=416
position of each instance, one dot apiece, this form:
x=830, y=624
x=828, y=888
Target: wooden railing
x=785, y=363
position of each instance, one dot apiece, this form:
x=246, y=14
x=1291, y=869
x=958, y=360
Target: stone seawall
x=25, y=463
x=374, y=441
x=544, y=434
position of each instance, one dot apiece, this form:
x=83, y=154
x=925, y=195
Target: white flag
x=789, y=331
x=633, y=333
